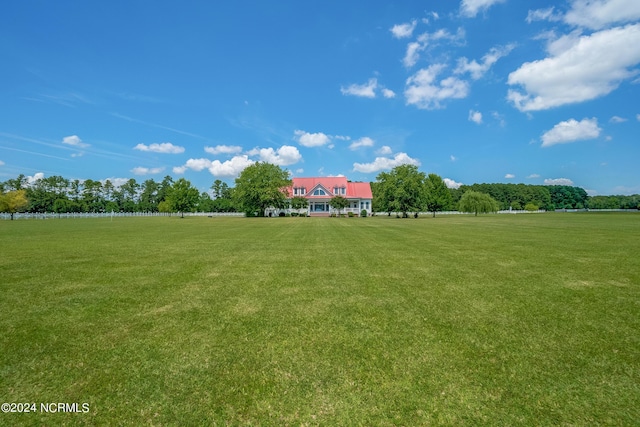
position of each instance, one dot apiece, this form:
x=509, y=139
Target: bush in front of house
x=363, y=213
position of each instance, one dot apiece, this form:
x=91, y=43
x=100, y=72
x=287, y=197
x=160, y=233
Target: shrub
x=530, y=207
x=294, y=214
x=363, y=213
x=281, y=214
x=351, y=215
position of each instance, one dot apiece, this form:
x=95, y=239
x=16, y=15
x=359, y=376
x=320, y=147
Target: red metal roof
x=359, y=190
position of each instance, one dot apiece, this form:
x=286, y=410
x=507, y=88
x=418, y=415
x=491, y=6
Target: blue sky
x=473, y=90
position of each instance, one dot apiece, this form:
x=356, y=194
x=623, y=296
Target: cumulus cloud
x=164, y=147
x=388, y=93
x=451, y=183
x=558, y=181
x=366, y=90
x=533, y=176
x=470, y=8
x=146, y=171
x=74, y=141
x=425, y=92
x=598, y=14
x=509, y=176
x=116, y=182
x=283, y=156
x=36, y=176
x=579, y=69
x=223, y=149
x=479, y=69
x=475, y=117
x=229, y=169
x=383, y=163
x=307, y=139
x=400, y=31
x=385, y=150
x=571, y=131
x=362, y=142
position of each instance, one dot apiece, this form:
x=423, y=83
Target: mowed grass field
x=515, y=320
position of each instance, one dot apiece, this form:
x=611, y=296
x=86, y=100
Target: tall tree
x=402, y=189
x=13, y=201
x=148, y=196
x=437, y=197
x=183, y=196
x=261, y=186
x=476, y=202
x=339, y=202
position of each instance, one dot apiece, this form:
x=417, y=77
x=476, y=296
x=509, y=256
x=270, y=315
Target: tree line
x=60, y=195
x=404, y=189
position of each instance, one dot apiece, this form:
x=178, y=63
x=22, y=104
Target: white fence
x=51, y=215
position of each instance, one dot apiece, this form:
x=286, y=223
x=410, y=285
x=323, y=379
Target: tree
x=261, y=186
x=13, y=201
x=339, y=202
x=438, y=196
x=402, y=189
x=474, y=201
x=299, y=202
x=183, y=196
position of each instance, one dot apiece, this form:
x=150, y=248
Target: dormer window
x=319, y=192
x=299, y=191
x=339, y=191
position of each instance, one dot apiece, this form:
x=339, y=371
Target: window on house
x=319, y=192
x=339, y=190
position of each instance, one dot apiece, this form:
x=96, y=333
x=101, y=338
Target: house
x=319, y=191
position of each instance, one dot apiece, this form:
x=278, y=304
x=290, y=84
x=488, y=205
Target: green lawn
x=512, y=320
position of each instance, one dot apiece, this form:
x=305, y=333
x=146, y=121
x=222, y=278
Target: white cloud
x=388, y=93
x=385, y=150
x=470, y=8
x=146, y=171
x=475, y=116
x=382, y=163
x=570, y=131
x=36, y=176
x=509, y=176
x=223, y=149
x=451, y=183
x=477, y=70
x=400, y=31
x=558, y=181
x=230, y=168
x=598, y=14
x=307, y=139
x=2, y=163
x=426, y=39
x=453, y=158
x=533, y=176
x=617, y=119
x=412, y=55
x=75, y=141
x=116, y=182
x=638, y=117
x=179, y=169
x=79, y=154
x=283, y=156
x=543, y=15
x=366, y=90
x=362, y=142
x=499, y=117
x=580, y=69
x=425, y=92
x=164, y=147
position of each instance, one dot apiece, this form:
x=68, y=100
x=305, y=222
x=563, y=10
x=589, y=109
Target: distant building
x=319, y=190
